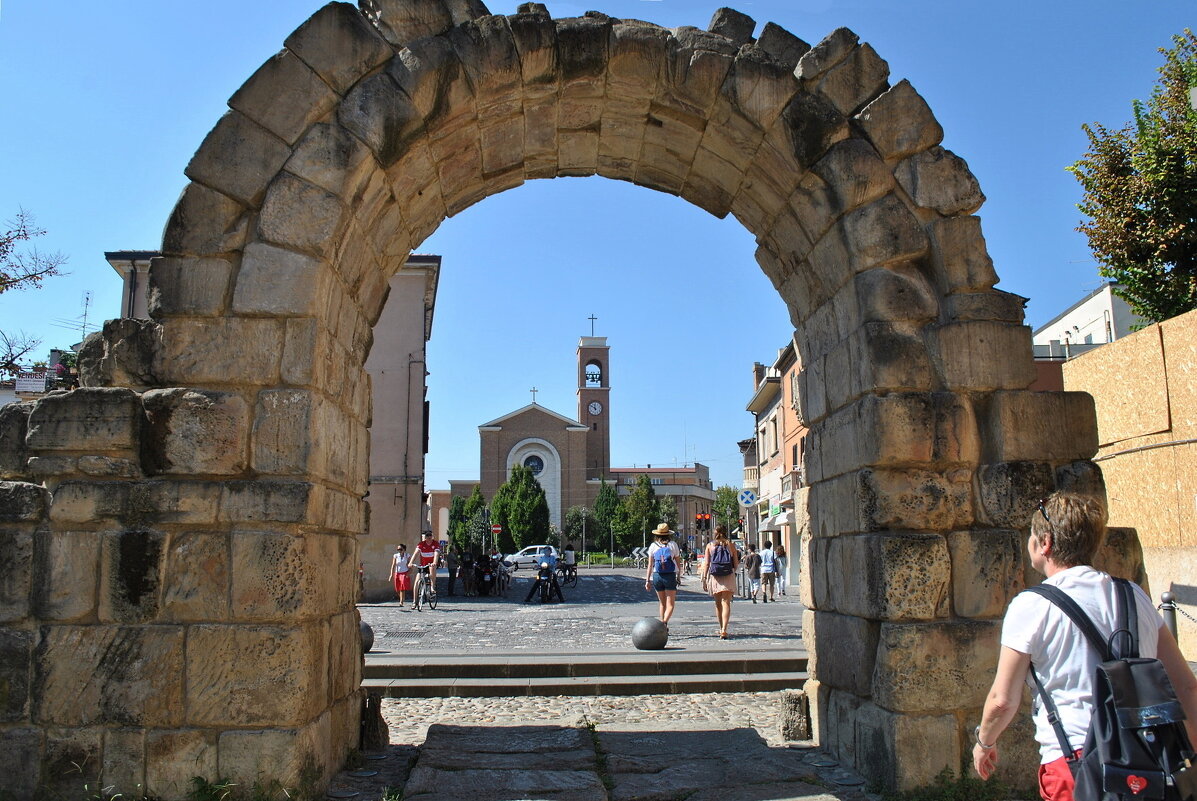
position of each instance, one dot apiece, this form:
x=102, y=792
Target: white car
x=530, y=556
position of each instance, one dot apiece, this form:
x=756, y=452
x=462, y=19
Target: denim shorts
x=664, y=582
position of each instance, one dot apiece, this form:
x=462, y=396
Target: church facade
x=569, y=456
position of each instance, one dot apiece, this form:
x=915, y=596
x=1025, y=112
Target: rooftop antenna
x=80, y=323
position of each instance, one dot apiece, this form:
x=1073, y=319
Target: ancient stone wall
x=209, y=508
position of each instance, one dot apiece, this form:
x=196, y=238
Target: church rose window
x=535, y=464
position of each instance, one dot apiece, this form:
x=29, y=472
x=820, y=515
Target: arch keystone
x=340, y=45
x=403, y=21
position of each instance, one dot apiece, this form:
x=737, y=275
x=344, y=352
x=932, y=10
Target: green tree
x=642, y=513
x=457, y=522
x=1140, y=185
x=726, y=509
x=667, y=511
x=521, y=508
x=605, y=505
x=572, y=531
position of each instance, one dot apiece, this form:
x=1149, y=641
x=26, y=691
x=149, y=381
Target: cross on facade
x=534, y=390
x=591, y=318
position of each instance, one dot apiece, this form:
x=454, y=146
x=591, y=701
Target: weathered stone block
x=123, y=675
x=1084, y=477
x=14, y=419
x=300, y=216
x=959, y=256
x=284, y=96
x=1050, y=426
x=339, y=44
x=261, y=501
x=238, y=158
x=841, y=649
x=126, y=353
x=891, y=356
x=195, y=584
x=982, y=355
x=895, y=293
x=883, y=232
x=130, y=570
x=489, y=57
x=124, y=760
x=995, y=305
x=329, y=157
x=813, y=125
x=916, y=500
x=782, y=46
x=935, y=667
x=795, y=723
x=856, y=80
x=901, y=577
x=402, y=21
x=22, y=747
x=939, y=179
x=734, y=25
x=379, y=113
x=16, y=666
x=21, y=502
x=240, y=676
x=986, y=570
x=283, y=435
x=99, y=419
x=173, y=757
x=1008, y=492
x=854, y=174
x=758, y=88
x=65, y=574
x=197, y=352
x=280, y=577
x=273, y=280
x=834, y=48
x=204, y=223
x=905, y=752
x=900, y=122
x=286, y=755
x=71, y=763
x=16, y=580
x=195, y=432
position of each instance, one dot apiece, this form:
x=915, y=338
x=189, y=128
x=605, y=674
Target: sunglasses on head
x=1042, y=509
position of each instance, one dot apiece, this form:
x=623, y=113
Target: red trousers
x=1055, y=780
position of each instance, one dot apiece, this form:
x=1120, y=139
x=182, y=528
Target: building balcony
x=752, y=477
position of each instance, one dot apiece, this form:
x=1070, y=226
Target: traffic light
x=698, y=521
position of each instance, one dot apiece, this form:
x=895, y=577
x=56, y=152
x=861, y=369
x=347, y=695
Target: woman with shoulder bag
x=719, y=576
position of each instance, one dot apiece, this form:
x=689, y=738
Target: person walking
x=718, y=573
x=664, y=566
x=768, y=572
x=452, y=562
x=783, y=562
x=399, y=572
x=1066, y=531
x=752, y=571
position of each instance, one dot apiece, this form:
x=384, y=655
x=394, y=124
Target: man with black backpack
x=1073, y=639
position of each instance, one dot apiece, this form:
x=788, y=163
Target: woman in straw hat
x=664, y=566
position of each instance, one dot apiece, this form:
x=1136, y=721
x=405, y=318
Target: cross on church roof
x=592, y=318
x=534, y=390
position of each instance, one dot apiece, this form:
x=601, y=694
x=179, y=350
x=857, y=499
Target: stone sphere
x=367, y=636
x=649, y=634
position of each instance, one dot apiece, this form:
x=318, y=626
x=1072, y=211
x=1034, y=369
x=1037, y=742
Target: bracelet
x=984, y=747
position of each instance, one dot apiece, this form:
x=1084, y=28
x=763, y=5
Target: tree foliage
x=641, y=514
x=605, y=504
x=22, y=267
x=726, y=508
x=521, y=508
x=1140, y=184
x=573, y=530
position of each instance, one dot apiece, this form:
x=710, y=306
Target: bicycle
x=567, y=575
x=425, y=590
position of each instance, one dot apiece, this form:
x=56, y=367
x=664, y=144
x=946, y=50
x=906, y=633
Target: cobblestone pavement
x=640, y=748
x=597, y=617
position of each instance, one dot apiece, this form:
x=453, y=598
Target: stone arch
x=232, y=430
x=549, y=478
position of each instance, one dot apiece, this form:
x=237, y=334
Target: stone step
x=573, y=666
x=443, y=687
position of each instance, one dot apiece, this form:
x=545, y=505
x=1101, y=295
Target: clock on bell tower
x=594, y=408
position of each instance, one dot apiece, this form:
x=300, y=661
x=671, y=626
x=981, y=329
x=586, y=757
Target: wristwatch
x=984, y=747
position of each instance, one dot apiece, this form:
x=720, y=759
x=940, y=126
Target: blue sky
x=104, y=104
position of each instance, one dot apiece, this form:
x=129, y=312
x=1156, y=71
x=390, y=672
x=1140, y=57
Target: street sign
x=496, y=529
x=747, y=498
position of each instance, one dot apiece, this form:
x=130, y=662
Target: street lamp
x=585, y=512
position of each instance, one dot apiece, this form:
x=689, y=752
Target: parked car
x=530, y=556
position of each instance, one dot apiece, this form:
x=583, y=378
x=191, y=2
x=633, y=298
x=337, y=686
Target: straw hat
x=663, y=530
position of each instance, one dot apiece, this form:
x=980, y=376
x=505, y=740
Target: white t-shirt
x=569, y=556
x=1062, y=657
x=768, y=561
x=656, y=546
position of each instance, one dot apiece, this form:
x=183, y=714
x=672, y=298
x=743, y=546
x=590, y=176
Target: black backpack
x=1137, y=746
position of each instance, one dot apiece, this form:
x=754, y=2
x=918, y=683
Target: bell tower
x=594, y=408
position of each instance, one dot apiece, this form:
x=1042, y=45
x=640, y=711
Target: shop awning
x=777, y=521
